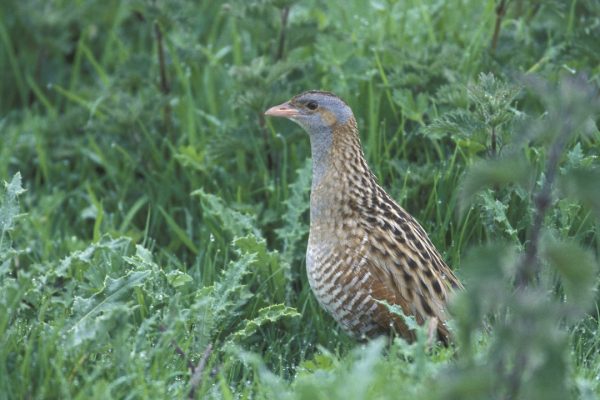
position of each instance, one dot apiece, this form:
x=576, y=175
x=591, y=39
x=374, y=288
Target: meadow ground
x=153, y=223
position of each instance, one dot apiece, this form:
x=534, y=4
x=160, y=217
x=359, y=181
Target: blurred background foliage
x=153, y=222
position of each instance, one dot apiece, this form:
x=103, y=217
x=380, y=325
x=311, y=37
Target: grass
x=154, y=223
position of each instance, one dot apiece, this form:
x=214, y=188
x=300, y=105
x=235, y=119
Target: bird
x=365, y=253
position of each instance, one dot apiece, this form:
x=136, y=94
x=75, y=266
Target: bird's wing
x=408, y=267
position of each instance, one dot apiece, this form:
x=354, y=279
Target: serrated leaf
x=178, y=278
x=456, y=123
x=86, y=255
x=267, y=315
x=409, y=320
x=492, y=99
x=269, y=263
x=235, y=222
x=295, y=226
x=97, y=326
x=218, y=305
x=257, y=246
x=495, y=215
x=9, y=205
x=142, y=259
x=92, y=313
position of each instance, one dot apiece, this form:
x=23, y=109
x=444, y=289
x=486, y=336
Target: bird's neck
x=321, y=144
x=339, y=166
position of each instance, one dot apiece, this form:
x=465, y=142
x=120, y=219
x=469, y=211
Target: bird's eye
x=312, y=105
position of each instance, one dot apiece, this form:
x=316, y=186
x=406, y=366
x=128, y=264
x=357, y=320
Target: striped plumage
x=362, y=246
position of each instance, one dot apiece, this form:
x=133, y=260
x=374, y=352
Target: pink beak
x=283, y=110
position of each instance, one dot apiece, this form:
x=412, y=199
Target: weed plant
x=153, y=223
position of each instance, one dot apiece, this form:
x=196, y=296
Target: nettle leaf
x=267, y=315
x=577, y=159
x=582, y=184
x=577, y=268
x=499, y=172
x=495, y=215
x=492, y=99
x=93, y=315
x=456, y=123
x=330, y=52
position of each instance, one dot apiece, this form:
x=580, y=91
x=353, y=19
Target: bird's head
x=315, y=111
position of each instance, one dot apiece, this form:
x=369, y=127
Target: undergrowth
x=153, y=223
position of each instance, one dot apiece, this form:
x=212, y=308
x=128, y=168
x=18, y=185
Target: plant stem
x=528, y=268
x=500, y=12
x=196, y=380
x=263, y=127
x=494, y=144
x=281, y=47
x=178, y=350
x=165, y=88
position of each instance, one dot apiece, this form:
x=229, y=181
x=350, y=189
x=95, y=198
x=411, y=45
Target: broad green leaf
x=491, y=262
x=92, y=314
x=577, y=267
x=321, y=361
x=583, y=184
x=177, y=278
x=484, y=174
x=413, y=107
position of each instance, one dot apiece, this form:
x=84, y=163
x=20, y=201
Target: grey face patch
x=312, y=120
x=318, y=123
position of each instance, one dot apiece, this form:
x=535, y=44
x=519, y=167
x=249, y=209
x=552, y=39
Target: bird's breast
x=335, y=261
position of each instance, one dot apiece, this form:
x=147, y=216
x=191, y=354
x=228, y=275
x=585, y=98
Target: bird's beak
x=285, y=110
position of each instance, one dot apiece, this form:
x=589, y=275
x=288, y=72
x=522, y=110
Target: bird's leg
x=431, y=331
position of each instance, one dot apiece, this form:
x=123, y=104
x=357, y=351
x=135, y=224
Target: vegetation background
x=153, y=223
